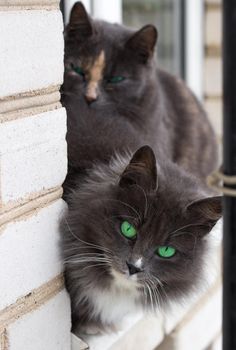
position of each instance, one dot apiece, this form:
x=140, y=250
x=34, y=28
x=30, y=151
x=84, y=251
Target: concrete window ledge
x=139, y=332
x=196, y=321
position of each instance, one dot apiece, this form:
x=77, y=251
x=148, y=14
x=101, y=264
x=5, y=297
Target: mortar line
x=31, y=302
x=4, y=340
x=26, y=208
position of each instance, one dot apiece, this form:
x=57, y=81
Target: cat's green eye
x=128, y=230
x=115, y=79
x=78, y=70
x=165, y=251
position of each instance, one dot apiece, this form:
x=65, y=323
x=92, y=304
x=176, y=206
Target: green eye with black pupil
x=128, y=230
x=115, y=79
x=166, y=252
x=77, y=70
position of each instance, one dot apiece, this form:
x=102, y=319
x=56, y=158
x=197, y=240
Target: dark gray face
x=147, y=230
x=106, y=63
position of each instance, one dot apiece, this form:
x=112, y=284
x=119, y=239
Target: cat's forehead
x=108, y=41
x=112, y=34
x=96, y=65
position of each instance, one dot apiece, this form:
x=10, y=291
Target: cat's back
x=193, y=142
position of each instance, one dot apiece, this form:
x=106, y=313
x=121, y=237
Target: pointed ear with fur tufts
x=141, y=170
x=205, y=213
x=80, y=21
x=143, y=42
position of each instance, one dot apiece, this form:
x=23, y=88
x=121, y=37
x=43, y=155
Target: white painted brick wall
x=29, y=253
x=34, y=307
x=47, y=328
x=31, y=50
x=32, y=155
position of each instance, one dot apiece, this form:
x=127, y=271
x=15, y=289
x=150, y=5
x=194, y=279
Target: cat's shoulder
x=178, y=94
x=173, y=83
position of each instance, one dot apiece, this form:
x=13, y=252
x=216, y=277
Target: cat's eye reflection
x=78, y=70
x=115, y=79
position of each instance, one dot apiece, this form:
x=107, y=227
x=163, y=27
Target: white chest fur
x=114, y=303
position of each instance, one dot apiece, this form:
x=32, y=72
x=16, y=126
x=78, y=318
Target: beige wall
x=213, y=63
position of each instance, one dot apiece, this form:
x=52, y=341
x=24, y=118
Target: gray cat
x=134, y=234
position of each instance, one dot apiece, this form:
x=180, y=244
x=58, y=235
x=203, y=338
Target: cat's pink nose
x=91, y=93
x=90, y=98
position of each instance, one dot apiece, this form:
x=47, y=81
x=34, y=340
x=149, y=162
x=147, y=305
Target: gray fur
x=160, y=187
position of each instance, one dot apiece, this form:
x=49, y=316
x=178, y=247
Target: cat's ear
x=141, y=170
x=80, y=21
x=143, y=42
x=205, y=213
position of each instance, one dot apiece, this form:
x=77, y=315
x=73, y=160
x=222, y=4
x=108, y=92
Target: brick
x=29, y=253
x=46, y=328
x=213, y=77
x=213, y=22
x=31, y=50
x=28, y=2
x=214, y=109
x=218, y=2
x=3, y=340
x=32, y=155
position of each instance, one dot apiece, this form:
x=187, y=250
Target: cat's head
x=105, y=62
x=144, y=227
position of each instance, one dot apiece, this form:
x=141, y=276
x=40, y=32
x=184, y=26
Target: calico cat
x=134, y=234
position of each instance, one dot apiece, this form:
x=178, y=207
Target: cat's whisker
x=150, y=294
x=152, y=287
x=89, y=246
x=95, y=246
x=85, y=259
x=157, y=280
x=95, y=265
x=155, y=296
x=122, y=216
x=87, y=243
x=161, y=285
x=183, y=233
x=146, y=200
x=182, y=228
x=88, y=257
x=156, y=293
x=127, y=205
x=91, y=257
x=145, y=296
